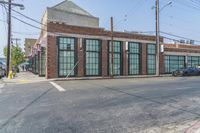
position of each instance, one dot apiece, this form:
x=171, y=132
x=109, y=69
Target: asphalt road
x=99, y=106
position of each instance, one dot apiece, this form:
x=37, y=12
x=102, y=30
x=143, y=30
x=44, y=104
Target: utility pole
x=9, y=67
x=112, y=44
x=8, y=62
x=16, y=40
x=157, y=38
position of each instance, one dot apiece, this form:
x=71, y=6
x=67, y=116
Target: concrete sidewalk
x=23, y=78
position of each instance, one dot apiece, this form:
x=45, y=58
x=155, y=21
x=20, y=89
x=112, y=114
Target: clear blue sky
x=181, y=18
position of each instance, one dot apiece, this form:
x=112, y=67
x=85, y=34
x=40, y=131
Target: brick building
x=29, y=43
x=72, y=44
x=176, y=56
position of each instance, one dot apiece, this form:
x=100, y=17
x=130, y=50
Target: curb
x=110, y=78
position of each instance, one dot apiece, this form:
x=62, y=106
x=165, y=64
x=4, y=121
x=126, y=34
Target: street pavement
x=144, y=105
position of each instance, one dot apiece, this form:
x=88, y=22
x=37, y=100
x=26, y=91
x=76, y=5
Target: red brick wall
x=125, y=60
x=56, y=27
x=51, y=57
x=105, y=58
x=182, y=46
x=182, y=50
x=162, y=65
x=80, y=59
x=52, y=62
x=39, y=63
x=144, y=59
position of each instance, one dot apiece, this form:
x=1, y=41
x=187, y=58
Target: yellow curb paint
x=24, y=81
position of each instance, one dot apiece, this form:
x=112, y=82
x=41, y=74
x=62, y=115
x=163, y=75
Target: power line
x=27, y=23
x=136, y=7
x=187, y=4
x=178, y=36
x=33, y=25
x=181, y=28
x=56, y=33
x=28, y=17
x=24, y=33
x=3, y=21
x=181, y=37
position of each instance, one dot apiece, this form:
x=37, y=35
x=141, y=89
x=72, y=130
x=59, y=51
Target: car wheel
x=185, y=74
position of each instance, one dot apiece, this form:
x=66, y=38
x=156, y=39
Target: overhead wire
x=136, y=7
x=59, y=34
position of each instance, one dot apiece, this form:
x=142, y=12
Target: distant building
x=70, y=14
x=176, y=56
x=29, y=43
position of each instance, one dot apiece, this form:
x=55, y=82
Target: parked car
x=2, y=72
x=187, y=72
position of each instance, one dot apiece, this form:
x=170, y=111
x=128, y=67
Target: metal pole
x=14, y=4
x=9, y=39
x=112, y=43
x=157, y=39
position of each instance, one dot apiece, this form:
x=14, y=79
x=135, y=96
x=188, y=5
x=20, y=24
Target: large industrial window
x=43, y=61
x=33, y=64
x=151, y=59
x=173, y=63
x=117, y=54
x=36, y=64
x=193, y=61
x=133, y=58
x=92, y=57
x=66, y=56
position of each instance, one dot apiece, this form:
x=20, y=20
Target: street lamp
x=8, y=63
x=158, y=10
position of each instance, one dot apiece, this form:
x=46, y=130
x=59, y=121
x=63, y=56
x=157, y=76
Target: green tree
x=17, y=55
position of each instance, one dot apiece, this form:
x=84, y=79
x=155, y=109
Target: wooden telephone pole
x=112, y=45
x=157, y=38
x=8, y=62
x=9, y=39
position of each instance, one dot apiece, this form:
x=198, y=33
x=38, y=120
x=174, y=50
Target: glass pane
x=173, y=63
x=151, y=49
x=134, y=64
x=92, y=57
x=66, y=56
x=133, y=47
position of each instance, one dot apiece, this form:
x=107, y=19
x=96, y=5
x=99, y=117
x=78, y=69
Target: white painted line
x=1, y=86
x=57, y=86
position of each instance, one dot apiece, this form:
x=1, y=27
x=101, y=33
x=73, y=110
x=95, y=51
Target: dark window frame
x=147, y=57
x=121, y=57
x=75, y=56
x=43, y=61
x=139, y=57
x=100, y=56
x=192, y=60
x=170, y=59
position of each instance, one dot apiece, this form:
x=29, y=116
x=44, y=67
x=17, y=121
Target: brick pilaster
x=52, y=64
x=144, y=59
x=105, y=58
x=80, y=58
